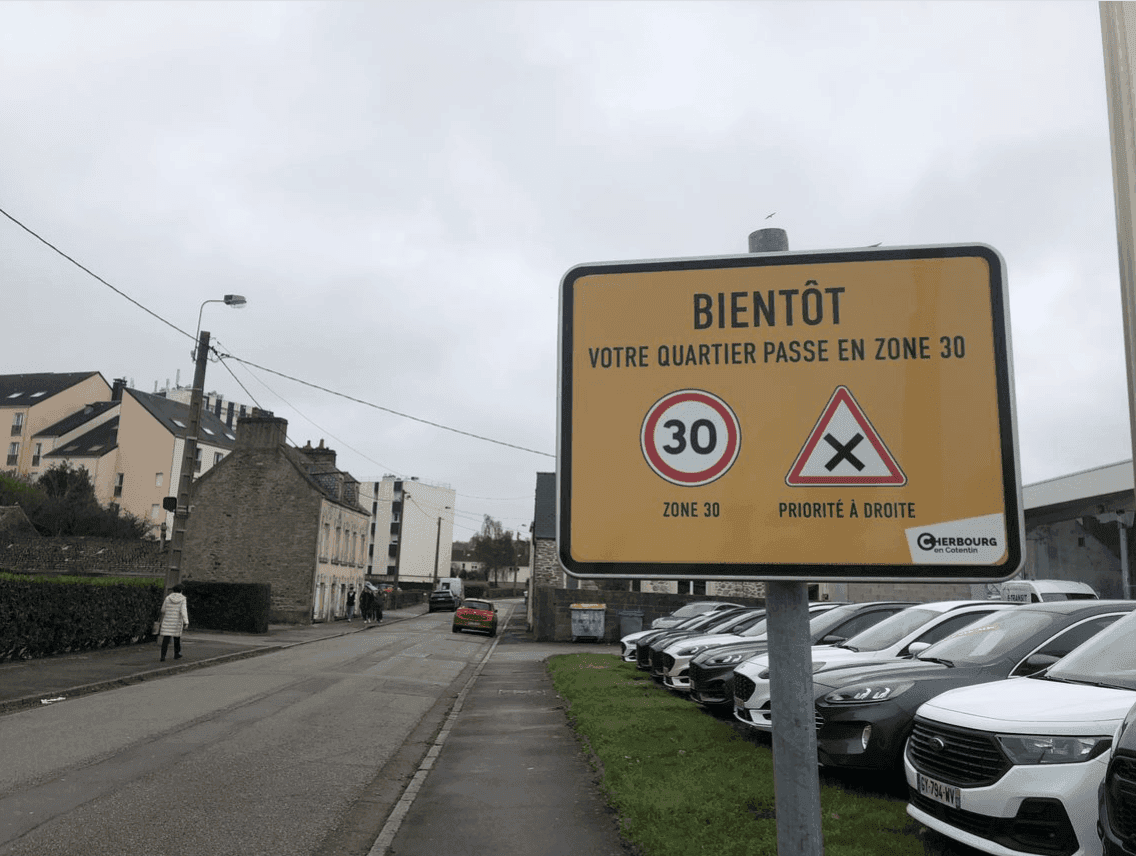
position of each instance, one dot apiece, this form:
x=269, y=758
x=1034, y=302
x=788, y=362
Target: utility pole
x=188, y=464
x=401, y=533
x=437, y=547
x=795, y=780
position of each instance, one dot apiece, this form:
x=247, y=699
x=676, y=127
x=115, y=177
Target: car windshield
x=758, y=628
x=736, y=623
x=891, y=630
x=691, y=610
x=990, y=638
x=477, y=604
x=1108, y=658
x=819, y=625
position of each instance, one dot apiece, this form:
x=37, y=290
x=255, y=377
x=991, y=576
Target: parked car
x=690, y=610
x=711, y=671
x=704, y=623
x=1043, y=591
x=864, y=715
x=671, y=664
x=1116, y=796
x=476, y=615
x=1015, y=766
x=442, y=599
x=901, y=635
x=629, y=642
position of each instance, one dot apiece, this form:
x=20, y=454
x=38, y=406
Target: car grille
x=668, y=662
x=957, y=756
x=743, y=686
x=656, y=661
x=643, y=656
x=1120, y=792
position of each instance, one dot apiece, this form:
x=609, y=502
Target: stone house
x=271, y=513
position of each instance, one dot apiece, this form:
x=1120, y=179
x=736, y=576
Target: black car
x=865, y=713
x=711, y=671
x=1117, y=794
x=704, y=623
x=443, y=599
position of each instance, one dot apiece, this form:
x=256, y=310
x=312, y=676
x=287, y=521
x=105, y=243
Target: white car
x=919, y=626
x=1012, y=767
x=675, y=659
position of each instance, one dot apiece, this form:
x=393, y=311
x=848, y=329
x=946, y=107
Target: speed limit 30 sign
x=823, y=416
x=690, y=437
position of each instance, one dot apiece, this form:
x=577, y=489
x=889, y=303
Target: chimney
x=319, y=454
x=116, y=389
x=261, y=432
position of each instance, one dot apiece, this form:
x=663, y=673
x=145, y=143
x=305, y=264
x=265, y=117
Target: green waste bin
x=630, y=621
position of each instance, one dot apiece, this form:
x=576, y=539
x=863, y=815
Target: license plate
x=936, y=790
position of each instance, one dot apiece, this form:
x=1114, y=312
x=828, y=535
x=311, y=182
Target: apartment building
x=132, y=446
x=412, y=529
x=31, y=402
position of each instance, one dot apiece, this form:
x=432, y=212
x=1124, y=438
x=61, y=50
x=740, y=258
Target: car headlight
x=690, y=651
x=868, y=693
x=726, y=659
x=1051, y=749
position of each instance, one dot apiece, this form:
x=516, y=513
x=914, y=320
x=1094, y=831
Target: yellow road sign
x=824, y=416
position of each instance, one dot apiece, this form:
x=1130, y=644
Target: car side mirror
x=917, y=648
x=833, y=639
x=1036, y=662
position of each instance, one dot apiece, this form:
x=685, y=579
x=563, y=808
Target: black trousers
x=166, y=645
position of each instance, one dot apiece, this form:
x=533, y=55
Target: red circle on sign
x=721, y=462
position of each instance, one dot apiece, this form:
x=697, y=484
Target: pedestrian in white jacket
x=175, y=618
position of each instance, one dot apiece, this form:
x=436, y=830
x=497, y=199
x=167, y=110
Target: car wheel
x=456, y=629
x=493, y=630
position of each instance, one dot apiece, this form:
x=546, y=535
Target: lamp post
x=189, y=447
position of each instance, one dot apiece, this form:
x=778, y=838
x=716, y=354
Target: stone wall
x=552, y=612
x=79, y=554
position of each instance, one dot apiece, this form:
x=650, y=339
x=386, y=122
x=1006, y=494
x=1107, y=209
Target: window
x=217, y=456
x=158, y=479
x=17, y=424
x=155, y=511
x=13, y=453
x=197, y=461
x=119, y=478
x=699, y=587
x=37, y=450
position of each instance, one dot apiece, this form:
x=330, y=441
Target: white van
x=452, y=585
x=1043, y=591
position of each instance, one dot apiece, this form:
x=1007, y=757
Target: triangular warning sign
x=844, y=450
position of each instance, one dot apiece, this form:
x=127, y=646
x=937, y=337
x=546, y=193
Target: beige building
x=132, y=445
x=418, y=514
x=32, y=402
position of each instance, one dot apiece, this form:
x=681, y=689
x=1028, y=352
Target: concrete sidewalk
x=31, y=683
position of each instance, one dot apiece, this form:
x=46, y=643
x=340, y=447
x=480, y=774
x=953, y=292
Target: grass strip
x=684, y=783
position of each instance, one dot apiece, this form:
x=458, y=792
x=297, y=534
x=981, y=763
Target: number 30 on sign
x=690, y=437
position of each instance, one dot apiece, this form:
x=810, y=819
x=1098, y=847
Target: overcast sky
x=398, y=189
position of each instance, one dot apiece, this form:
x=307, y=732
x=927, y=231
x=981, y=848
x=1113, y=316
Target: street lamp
x=189, y=447
x=236, y=301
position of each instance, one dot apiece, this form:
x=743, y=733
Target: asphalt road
x=268, y=755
